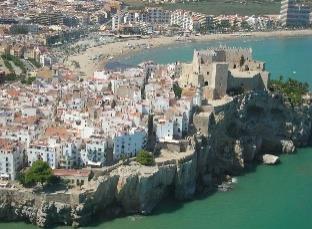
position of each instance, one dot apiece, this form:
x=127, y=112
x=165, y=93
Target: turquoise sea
x=290, y=57
x=265, y=198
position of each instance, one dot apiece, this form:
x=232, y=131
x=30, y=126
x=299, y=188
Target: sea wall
x=248, y=126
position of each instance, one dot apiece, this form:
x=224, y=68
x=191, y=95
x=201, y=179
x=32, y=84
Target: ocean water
x=268, y=197
x=290, y=57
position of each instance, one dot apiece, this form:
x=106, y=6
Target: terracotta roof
x=7, y=145
x=13, y=92
x=57, y=132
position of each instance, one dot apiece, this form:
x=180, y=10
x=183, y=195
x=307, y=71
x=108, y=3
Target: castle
x=224, y=70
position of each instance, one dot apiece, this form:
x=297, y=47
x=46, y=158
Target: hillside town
x=51, y=111
x=39, y=37
x=94, y=123
x=108, y=107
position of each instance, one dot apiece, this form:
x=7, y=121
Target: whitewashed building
x=69, y=155
x=129, y=143
x=47, y=151
x=95, y=152
x=163, y=129
x=11, y=159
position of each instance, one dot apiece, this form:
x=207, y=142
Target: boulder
x=270, y=159
x=288, y=146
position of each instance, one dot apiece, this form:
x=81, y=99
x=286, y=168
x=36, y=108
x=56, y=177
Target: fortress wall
x=248, y=83
x=186, y=75
x=235, y=54
x=219, y=79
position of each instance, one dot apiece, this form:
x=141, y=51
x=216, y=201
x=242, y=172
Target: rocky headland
x=226, y=139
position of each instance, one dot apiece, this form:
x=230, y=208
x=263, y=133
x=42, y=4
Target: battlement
x=221, y=54
x=222, y=69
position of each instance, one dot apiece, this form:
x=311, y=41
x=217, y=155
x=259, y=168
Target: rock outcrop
x=270, y=159
x=236, y=134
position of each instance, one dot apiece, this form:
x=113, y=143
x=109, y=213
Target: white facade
x=160, y=104
x=129, y=143
x=29, y=111
x=95, y=153
x=23, y=136
x=11, y=159
x=69, y=155
x=46, y=151
x=164, y=129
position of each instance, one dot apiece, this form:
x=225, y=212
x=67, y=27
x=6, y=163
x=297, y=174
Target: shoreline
x=135, y=189
x=119, y=49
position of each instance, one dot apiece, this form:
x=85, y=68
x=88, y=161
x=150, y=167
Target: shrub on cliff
x=294, y=90
x=39, y=172
x=145, y=158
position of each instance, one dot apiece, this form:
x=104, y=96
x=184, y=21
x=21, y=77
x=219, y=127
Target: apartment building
x=11, y=159
x=294, y=14
x=45, y=150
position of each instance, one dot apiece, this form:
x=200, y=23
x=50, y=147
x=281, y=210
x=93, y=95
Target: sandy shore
x=117, y=49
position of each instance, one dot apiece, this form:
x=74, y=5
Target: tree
x=245, y=25
x=292, y=89
x=177, y=90
x=235, y=25
x=145, y=158
x=242, y=61
x=39, y=172
x=113, y=104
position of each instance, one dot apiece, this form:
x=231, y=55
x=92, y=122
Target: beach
x=116, y=49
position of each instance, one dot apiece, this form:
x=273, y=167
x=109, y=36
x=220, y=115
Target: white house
x=20, y=134
x=163, y=129
x=48, y=151
x=28, y=111
x=129, y=143
x=95, y=153
x=11, y=159
x=69, y=155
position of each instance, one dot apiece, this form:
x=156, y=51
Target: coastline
x=121, y=48
x=209, y=160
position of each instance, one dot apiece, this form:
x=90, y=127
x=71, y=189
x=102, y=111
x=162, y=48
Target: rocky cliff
x=248, y=126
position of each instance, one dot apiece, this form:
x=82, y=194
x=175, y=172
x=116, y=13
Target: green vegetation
x=39, y=172
x=76, y=63
x=17, y=29
x=8, y=65
x=217, y=7
x=15, y=60
x=145, y=158
x=242, y=61
x=292, y=89
x=35, y=63
x=28, y=81
x=245, y=25
x=177, y=90
x=10, y=77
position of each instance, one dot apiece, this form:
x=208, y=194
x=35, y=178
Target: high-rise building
x=294, y=14
x=48, y=18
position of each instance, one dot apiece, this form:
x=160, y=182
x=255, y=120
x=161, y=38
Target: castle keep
x=223, y=70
